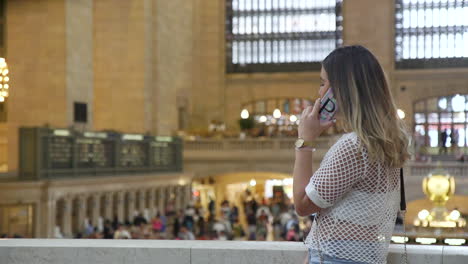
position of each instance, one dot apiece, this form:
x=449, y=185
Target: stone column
x=80, y=58
x=151, y=202
x=96, y=210
x=187, y=194
x=121, y=206
x=52, y=211
x=131, y=205
x=178, y=197
x=109, y=206
x=66, y=227
x=174, y=25
x=81, y=212
x=142, y=197
x=162, y=200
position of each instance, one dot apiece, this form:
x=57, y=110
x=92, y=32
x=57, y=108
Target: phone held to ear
x=328, y=106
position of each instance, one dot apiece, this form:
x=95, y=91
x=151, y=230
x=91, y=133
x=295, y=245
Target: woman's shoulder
x=349, y=140
x=349, y=144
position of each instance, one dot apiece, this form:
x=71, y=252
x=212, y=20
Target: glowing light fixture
x=401, y=114
x=262, y=119
x=277, y=113
x=399, y=239
x=423, y=214
x=458, y=103
x=245, y=114
x=293, y=118
x=4, y=79
x=454, y=215
x=455, y=241
x=426, y=240
x=253, y=182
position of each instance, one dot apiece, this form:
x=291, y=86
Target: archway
x=437, y=115
x=233, y=186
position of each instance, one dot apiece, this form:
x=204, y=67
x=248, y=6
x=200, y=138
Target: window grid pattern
x=434, y=115
x=281, y=35
x=431, y=33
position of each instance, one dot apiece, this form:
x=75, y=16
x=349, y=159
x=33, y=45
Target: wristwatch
x=302, y=144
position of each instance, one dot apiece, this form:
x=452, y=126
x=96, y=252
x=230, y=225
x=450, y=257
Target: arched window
x=431, y=33
x=281, y=35
x=448, y=113
x=277, y=111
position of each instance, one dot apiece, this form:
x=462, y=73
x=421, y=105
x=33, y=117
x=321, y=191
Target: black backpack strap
x=402, y=192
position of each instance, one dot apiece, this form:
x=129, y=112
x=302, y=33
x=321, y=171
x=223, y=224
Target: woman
x=355, y=191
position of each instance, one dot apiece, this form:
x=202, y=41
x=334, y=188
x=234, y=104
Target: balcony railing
x=51, y=153
x=249, y=144
x=456, y=169
x=106, y=251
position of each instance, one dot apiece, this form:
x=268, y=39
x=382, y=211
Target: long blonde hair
x=366, y=103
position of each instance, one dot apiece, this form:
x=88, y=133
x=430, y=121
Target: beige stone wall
x=79, y=58
x=371, y=23
x=36, y=57
x=119, y=65
x=173, y=62
x=208, y=97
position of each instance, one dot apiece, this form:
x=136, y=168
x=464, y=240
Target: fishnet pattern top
x=359, y=200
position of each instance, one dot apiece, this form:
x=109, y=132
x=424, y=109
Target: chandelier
x=4, y=79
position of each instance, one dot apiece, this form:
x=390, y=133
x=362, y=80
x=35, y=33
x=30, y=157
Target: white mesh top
x=359, y=200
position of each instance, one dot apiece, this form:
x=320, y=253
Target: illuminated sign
x=454, y=241
x=95, y=134
x=399, y=239
x=132, y=137
x=426, y=240
x=61, y=133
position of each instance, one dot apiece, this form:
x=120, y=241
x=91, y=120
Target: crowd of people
x=268, y=219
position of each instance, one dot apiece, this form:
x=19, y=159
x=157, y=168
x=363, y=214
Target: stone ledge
x=55, y=251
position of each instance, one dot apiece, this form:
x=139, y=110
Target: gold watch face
x=299, y=142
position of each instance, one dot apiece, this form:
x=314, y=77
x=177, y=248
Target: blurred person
x=88, y=228
x=122, y=233
x=443, y=142
x=237, y=230
x=139, y=219
x=357, y=186
x=185, y=234
x=262, y=225
x=292, y=235
x=157, y=224
x=189, y=217
x=234, y=216
x=212, y=206
x=454, y=138
x=225, y=210
x=108, y=232
x=222, y=236
x=57, y=233
x=178, y=221
x=252, y=225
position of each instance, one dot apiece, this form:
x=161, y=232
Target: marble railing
x=455, y=169
x=42, y=251
x=249, y=144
